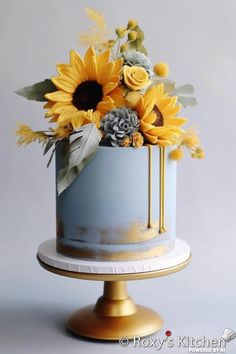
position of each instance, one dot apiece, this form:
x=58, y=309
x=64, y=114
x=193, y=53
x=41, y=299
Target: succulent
x=118, y=124
x=134, y=58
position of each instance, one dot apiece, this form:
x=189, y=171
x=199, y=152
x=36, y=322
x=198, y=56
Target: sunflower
x=157, y=113
x=86, y=89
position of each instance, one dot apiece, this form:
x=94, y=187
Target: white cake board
x=48, y=254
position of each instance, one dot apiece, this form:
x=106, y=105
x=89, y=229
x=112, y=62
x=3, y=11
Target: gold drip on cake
x=162, y=227
x=149, y=187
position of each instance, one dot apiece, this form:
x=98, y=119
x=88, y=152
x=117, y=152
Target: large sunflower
x=158, y=121
x=87, y=89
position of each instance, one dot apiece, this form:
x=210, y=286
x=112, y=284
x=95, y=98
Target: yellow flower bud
x=176, y=154
x=123, y=48
x=125, y=142
x=132, y=98
x=161, y=69
x=121, y=32
x=200, y=154
x=191, y=140
x=132, y=24
x=110, y=43
x=132, y=35
x=137, y=139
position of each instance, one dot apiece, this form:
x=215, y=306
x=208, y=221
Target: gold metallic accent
x=150, y=226
x=115, y=315
x=162, y=227
x=135, y=233
x=138, y=232
x=101, y=255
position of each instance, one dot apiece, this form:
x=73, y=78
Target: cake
x=116, y=134
x=130, y=216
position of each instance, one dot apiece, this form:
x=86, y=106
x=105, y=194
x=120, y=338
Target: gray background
x=197, y=39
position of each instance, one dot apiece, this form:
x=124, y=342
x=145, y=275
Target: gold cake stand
x=115, y=315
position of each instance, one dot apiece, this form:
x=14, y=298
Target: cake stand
x=114, y=315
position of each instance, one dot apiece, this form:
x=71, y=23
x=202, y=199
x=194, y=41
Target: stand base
x=87, y=323
x=114, y=316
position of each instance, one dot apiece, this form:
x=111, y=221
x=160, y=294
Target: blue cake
x=130, y=216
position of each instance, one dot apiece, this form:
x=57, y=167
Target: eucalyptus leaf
x=83, y=146
x=37, y=91
x=187, y=101
x=186, y=89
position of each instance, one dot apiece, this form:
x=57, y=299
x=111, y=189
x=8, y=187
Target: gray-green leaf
x=186, y=89
x=82, y=148
x=37, y=91
x=187, y=101
x=169, y=85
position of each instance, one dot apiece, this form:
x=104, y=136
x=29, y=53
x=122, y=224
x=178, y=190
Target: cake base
x=93, y=269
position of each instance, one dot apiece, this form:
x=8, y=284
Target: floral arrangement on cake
x=111, y=97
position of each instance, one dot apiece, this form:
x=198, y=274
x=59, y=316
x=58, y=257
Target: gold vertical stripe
x=149, y=187
x=162, y=227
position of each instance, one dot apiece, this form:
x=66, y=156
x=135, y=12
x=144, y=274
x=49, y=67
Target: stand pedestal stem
x=115, y=301
x=115, y=290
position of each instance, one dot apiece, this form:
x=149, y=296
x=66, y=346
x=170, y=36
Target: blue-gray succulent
x=118, y=124
x=132, y=57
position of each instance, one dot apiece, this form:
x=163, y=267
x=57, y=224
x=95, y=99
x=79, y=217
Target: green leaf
x=83, y=146
x=137, y=44
x=187, y=101
x=187, y=89
x=37, y=91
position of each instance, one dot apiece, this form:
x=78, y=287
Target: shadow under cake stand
x=115, y=315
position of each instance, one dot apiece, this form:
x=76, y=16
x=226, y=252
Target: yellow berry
x=132, y=35
x=176, y=154
x=132, y=98
x=123, y=48
x=161, y=69
x=132, y=24
x=121, y=32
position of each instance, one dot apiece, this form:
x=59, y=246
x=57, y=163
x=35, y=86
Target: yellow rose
x=135, y=77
